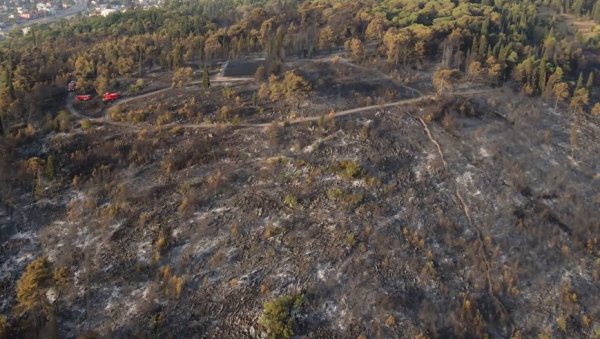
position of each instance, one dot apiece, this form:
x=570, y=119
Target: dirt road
x=106, y=119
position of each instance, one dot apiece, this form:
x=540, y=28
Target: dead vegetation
x=447, y=218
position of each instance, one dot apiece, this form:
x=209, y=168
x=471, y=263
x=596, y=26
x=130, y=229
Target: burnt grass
x=500, y=240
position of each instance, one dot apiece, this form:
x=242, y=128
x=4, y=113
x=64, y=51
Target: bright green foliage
x=279, y=316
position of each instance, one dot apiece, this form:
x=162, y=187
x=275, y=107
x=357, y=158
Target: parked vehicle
x=110, y=96
x=83, y=97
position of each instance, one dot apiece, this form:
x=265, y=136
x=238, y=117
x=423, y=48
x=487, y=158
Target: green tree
x=205, y=78
x=542, y=75
x=590, y=82
x=279, y=316
x=579, y=82
x=50, y=167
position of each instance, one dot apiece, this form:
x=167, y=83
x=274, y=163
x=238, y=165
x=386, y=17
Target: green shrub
x=86, y=124
x=335, y=193
x=350, y=240
x=279, y=315
x=290, y=200
x=61, y=122
x=136, y=87
x=349, y=169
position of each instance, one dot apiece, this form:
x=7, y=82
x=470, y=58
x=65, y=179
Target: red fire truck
x=110, y=96
x=83, y=97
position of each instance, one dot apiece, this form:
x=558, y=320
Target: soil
x=456, y=216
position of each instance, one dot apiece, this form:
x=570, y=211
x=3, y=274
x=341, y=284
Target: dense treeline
x=493, y=40
x=588, y=8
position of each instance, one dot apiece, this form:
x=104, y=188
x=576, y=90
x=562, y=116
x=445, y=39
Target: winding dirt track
x=223, y=80
x=106, y=119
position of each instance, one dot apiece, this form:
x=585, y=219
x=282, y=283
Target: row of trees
x=580, y=8
x=503, y=39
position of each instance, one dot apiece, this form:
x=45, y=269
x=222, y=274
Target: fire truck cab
x=110, y=96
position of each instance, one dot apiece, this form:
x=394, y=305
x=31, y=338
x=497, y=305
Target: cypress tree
x=205, y=78
x=596, y=11
x=483, y=45
x=475, y=46
x=542, y=84
x=50, y=167
x=577, y=7
x=485, y=27
x=579, y=81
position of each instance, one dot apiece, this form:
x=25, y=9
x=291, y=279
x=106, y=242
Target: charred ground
x=461, y=215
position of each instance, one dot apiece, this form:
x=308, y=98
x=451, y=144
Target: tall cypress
x=579, y=81
x=542, y=78
x=205, y=78
x=475, y=46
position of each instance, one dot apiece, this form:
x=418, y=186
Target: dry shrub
x=172, y=284
x=215, y=180
x=189, y=200
x=271, y=230
x=33, y=283
x=4, y=327
x=274, y=134
x=161, y=244
x=349, y=169
x=448, y=122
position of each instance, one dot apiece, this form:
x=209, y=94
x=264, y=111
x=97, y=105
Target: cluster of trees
x=580, y=8
x=498, y=39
